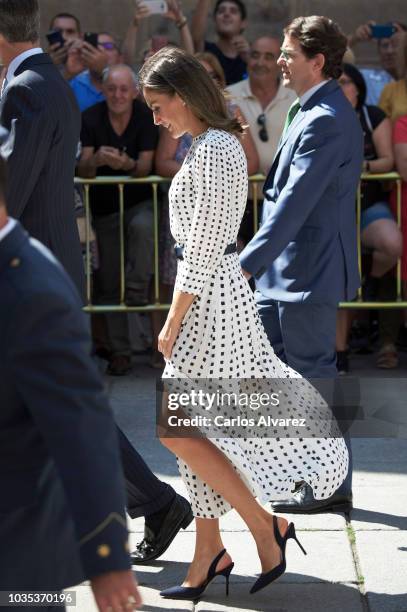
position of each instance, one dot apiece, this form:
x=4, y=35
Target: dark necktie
x=292, y=111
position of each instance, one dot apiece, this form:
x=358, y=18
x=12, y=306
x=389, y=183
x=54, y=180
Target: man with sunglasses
x=264, y=102
x=263, y=99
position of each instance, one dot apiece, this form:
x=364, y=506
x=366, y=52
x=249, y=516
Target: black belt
x=179, y=250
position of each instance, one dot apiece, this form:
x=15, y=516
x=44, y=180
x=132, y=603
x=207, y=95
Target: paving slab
x=383, y=562
x=380, y=507
x=281, y=597
x=85, y=601
x=378, y=451
x=151, y=601
x=329, y=559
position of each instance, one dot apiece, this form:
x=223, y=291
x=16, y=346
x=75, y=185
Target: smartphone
x=54, y=37
x=156, y=7
x=383, y=31
x=91, y=38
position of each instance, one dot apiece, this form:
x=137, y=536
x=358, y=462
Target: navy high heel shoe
x=268, y=577
x=181, y=592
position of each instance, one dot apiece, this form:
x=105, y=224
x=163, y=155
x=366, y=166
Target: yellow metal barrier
x=154, y=181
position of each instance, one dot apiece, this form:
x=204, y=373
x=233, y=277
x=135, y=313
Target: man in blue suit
x=304, y=256
x=62, y=502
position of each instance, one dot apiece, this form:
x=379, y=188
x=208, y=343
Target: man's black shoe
x=179, y=516
x=304, y=502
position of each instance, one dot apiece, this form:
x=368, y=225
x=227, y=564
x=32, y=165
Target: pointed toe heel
x=194, y=593
x=268, y=577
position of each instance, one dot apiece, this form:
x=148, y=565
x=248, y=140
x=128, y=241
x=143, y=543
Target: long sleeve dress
x=222, y=336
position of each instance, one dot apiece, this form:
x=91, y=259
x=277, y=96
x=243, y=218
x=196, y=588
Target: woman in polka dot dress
x=213, y=331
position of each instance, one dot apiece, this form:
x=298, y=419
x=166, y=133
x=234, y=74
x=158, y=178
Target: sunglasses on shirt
x=263, y=134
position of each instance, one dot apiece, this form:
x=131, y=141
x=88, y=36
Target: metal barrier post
x=156, y=245
x=88, y=269
x=359, y=245
x=399, y=292
x=122, y=246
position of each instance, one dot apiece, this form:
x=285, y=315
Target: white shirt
x=10, y=225
x=308, y=94
x=17, y=61
x=275, y=114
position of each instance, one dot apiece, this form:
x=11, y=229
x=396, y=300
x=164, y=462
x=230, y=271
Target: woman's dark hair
x=318, y=34
x=172, y=71
x=239, y=4
x=356, y=76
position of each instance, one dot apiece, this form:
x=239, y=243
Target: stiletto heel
x=291, y=534
x=181, y=592
x=226, y=572
x=268, y=577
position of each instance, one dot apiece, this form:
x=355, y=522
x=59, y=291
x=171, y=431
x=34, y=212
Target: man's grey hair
x=107, y=72
x=20, y=20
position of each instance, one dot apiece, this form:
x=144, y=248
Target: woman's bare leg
x=214, y=468
x=385, y=238
x=208, y=544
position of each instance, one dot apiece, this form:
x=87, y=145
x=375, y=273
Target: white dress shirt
x=17, y=61
x=308, y=94
x=10, y=225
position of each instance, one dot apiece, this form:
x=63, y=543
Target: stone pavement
x=355, y=563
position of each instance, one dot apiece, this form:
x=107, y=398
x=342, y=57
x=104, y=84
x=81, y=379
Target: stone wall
x=265, y=16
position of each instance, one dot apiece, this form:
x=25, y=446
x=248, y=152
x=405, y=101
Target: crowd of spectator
x=119, y=138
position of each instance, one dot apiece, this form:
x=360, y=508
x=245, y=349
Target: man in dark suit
x=62, y=516
x=304, y=256
x=40, y=111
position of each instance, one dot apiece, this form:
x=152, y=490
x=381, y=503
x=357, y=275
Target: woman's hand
x=167, y=337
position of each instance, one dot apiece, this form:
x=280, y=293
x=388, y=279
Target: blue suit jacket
x=306, y=249
x=62, y=500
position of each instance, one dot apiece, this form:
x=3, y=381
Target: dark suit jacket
x=62, y=500
x=40, y=112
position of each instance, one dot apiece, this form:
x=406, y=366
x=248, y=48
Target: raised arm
x=382, y=138
x=177, y=16
x=199, y=24
x=130, y=40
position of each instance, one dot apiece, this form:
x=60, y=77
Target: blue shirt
x=376, y=79
x=86, y=94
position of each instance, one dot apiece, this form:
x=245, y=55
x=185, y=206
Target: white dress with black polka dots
x=222, y=335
